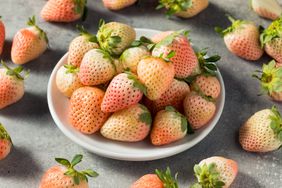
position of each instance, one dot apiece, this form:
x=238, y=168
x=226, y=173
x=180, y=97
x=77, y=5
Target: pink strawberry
x=242, y=39
x=115, y=37
x=198, y=110
x=184, y=60
x=85, y=112
x=80, y=45
x=124, y=90
x=96, y=68
x=215, y=172
x=118, y=4
x=262, y=132
x=161, y=179
x=271, y=40
x=2, y=35
x=67, y=80
x=173, y=96
x=11, y=85
x=267, y=8
x=128, y=125
x=5, y=143
x=65, y=175
x=207, y=85
x=63, y=10
x=156, y=74
x=197, y=7
x=160, y=36
x=271, y=80
x=169, y=126
x=28, y=43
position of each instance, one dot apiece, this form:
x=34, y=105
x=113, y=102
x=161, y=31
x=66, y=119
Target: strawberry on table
x=128, y=125
x=169, y=126
x=5, y=143
x=67, y=80
x=242, y=39
x=11, y=85
x=97, y=67
x=80, y=45
x=29, y=43
x=118, y=4
x=63, y=10
x=115, y=37
x=262, y=132
x=123, y=91
x=216, y=172
x=185, y=61
x=65, y=175
x=271, y=80
x=156, y=74
x=271, y=40
x=160, y=179
x=85, y=112
x=267, y=8
x=2, y=35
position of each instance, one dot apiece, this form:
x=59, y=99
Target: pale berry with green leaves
x=5, y=143
x=65, y=175
x=262, y=132
x=269, y=9
x=160, y=179
x=197, y=6
x=118, y=4
x=28, y=43
x=216, y=172
x=128, y=125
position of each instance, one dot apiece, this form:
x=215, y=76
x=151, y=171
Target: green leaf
x=136, y=82
x=184, y=124
x=77, y=159
x=4, y=134
x=90, y=173
x=76, y=180
x=63, y=162
x=167, y=179
x=171, y=54
x=146, y=117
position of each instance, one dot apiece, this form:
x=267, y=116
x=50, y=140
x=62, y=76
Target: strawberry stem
x=276, y=123
x=15, y=72
x=32, y=22
x=167, y=179
x=84, y=32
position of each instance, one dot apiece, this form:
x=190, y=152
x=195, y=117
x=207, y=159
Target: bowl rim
x=129, y=157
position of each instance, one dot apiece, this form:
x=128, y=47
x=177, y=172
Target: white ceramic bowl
x=141, y=151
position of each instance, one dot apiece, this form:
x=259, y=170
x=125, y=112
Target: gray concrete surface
x=37, y=140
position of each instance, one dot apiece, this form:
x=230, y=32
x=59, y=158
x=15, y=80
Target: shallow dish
x=140, y=151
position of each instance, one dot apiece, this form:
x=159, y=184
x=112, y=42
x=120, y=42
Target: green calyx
x=32, y=22
x=145, y=116
x=198, y=90
x=136, y=82
x=76, y=175
x=276, y=123
x=273, y=31
x=167, y=58
x=71, y=69
x=143, y=41
x=174, y=6
x=170, y=38
x=167, y=179
x=80, y=8
x=4, y=134
x=16, y=72
x=107, y=56
x=83, y=32
x=208, y=176
x=235, y=25
x=270, y=78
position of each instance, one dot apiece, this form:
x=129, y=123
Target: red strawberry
x=271, y=40
x=5, y=143
x=242, y=39
x=173, y=96
x=184, y=60
x=80, y=45
x=169, y=126
x=207, y=85
x=215, y=172
x=198, y=110
x=124, y=90
x=67, y=80
x=161, y=179
x=115, y=37
x=28, y=43
x=65, y=175
x=271, y=80
x=11, y=85
x=267, y=8
x=63, y=10
x=156, y=74
x=262, y=132
x=160, y=36
x=85, y=110
x=2, y=35
x=118, y=4
x=96, y=68
x=128, y=125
